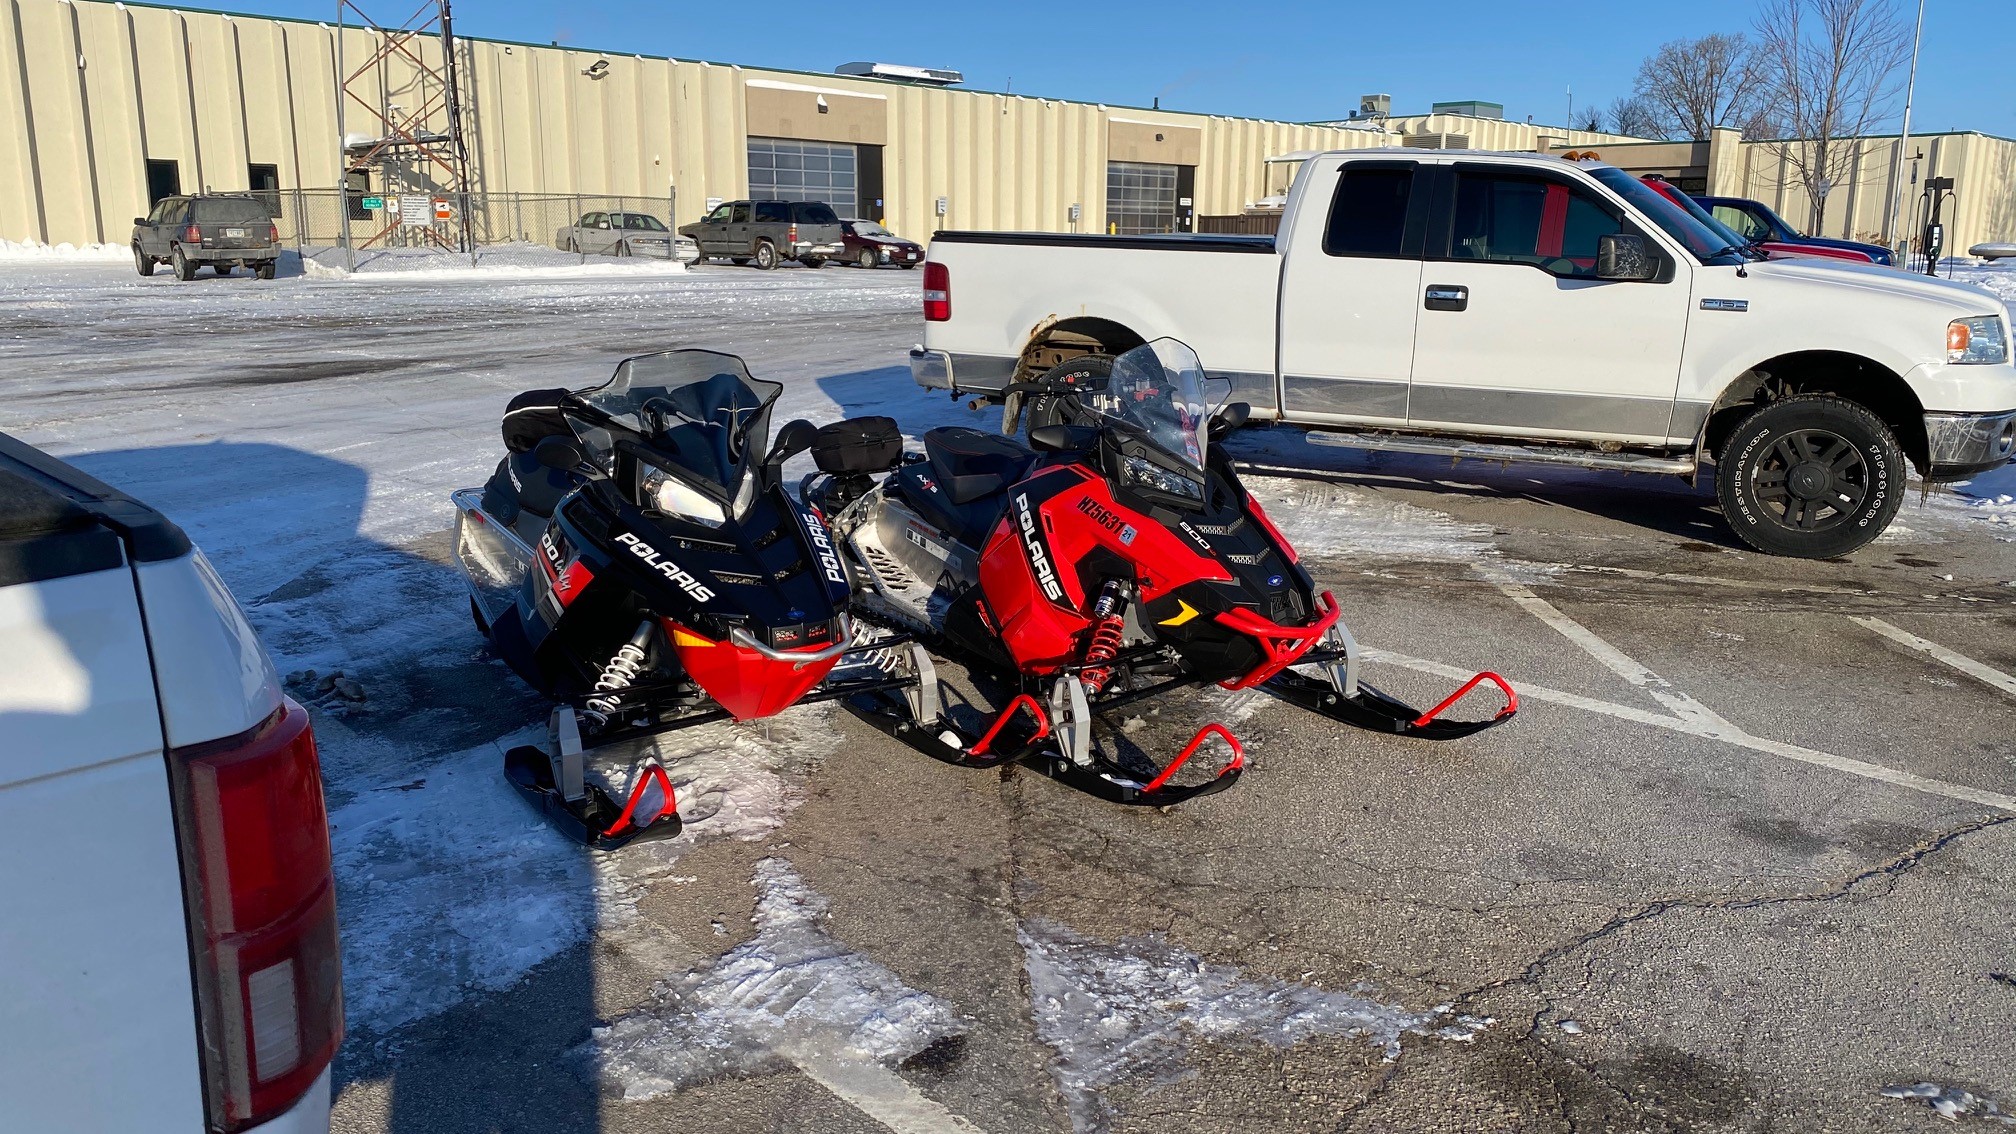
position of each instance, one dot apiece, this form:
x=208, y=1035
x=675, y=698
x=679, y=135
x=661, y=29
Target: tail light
x=937, y=293
x=192, y=234
x=791, y=234
x=272, y=234
x=262, y=912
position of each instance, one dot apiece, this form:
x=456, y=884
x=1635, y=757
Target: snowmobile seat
x=533, y=416
x=971, y=464
x=523, y=493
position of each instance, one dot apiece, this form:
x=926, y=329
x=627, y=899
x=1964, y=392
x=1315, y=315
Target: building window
x=356, y=184
x=264, y=181
x=1140, y=198
x=782, y=169
x=164, y=179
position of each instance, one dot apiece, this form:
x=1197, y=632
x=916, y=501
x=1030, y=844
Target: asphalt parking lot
x=1742, y=862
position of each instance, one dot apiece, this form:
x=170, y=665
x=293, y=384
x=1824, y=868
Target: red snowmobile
x=1114, y=558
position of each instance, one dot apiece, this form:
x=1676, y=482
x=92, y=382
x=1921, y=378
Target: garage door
x=1140, y=197
x=785, y=169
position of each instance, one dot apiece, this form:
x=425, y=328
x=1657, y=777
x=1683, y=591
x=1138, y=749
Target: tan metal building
x=106, y=106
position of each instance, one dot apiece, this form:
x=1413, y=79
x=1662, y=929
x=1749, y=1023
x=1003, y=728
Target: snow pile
x=36, y=250
x=1321, y=518
x=1116, y=1012
x=1952, y=1103
x=791, y=988
x=495, y=262
x=450, y=885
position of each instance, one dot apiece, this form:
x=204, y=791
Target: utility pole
x=1890, y=236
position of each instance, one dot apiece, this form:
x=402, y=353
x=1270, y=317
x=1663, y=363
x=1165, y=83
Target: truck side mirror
x=1624, y=256
x=142, y=221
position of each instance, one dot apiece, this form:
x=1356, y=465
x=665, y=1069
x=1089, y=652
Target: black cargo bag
x=858, y=445
x=533, y=415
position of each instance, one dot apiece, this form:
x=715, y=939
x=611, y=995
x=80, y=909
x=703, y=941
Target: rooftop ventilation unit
x=1436, y=141
x=902, y=73
x=1374, y=106
x=1471, y=108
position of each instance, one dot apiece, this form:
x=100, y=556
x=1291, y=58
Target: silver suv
x=766, y=233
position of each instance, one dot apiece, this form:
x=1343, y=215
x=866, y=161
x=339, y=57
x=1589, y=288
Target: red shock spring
x=1107, y=637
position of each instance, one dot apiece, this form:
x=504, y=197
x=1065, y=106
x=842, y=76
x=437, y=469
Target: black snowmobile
x=636, y=559
x=1115, y=558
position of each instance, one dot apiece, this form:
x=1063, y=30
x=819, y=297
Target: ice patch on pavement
x=1131, y=1010
x=36, y=250
x=791, y=987
x=492, y=262
x=452, y=886
x=1952, y=1103
x=1320, y=518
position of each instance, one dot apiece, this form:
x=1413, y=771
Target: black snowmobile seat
x=533, y=416
x=971, y=464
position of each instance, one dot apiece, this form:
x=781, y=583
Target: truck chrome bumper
x=931, y=369
x=1962, y=444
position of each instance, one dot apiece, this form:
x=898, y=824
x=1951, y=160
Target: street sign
x=374, y=202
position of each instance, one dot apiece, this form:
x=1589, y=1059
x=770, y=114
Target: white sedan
x=626, y=234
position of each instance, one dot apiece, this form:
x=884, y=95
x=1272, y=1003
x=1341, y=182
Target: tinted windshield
x=1158, y=389
x=1697, y=238
x=229, y=211
x=699, y=407
x=814, y=212
x=640, y=220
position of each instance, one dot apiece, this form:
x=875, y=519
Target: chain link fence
x=314, y=218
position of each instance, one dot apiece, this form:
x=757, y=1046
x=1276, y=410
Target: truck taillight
x=192, y=235
x=937, y=293
x=792, y=234
x=262, y=913
x=272, y=234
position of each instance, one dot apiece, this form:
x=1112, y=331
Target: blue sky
x=1293, y=59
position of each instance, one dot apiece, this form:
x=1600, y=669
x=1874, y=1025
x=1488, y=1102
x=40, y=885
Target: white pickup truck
x=1521, y=307
x=168, y=913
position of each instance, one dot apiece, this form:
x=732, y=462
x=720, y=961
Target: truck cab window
x=741, y=214
x=1368, y=216
x=1525, y=220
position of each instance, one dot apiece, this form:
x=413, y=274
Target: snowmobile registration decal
x=829, y=563
x=672, y=571
x=1039, y=559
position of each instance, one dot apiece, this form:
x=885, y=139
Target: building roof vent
x=1374, y=106
x=1471, y=108
x=902, y=73
x=1436, y=141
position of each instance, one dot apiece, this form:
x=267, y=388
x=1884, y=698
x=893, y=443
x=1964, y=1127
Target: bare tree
x=1693, y=86
x=1590, y=118
x=1830, y=69
x=1632, y=115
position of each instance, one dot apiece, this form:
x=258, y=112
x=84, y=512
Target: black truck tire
x=766, y=255
x=1811, y=477
x=185, y=268
x=142, y=262
x=266, y=269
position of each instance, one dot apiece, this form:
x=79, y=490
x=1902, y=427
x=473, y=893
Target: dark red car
x=870, y=245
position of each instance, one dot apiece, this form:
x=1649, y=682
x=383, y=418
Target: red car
x=869, y=245
x=1772, y=249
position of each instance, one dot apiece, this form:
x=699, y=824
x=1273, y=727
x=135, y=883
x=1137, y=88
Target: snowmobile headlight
x=667, y=493
x=1147, y=474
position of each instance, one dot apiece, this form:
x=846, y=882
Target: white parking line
x=1612, y=658
x=1987, y=675
x=1724, y=732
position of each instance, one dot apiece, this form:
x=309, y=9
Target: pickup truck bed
x=126, y=671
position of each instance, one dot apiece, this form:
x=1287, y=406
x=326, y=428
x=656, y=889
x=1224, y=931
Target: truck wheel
x=222, y=268
x=1811, y=477
x=1087, y=370
x=766, y=255
x=142, y=263
x=739, y=261
x=476, y=613
x=266, y=269
x=185, y=268
x=866, y=259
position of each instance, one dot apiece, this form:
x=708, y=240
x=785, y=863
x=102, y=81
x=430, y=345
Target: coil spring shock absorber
x=1109, y=629
x=622, y=669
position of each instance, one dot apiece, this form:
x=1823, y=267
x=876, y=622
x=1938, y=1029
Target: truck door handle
x=1447, y=297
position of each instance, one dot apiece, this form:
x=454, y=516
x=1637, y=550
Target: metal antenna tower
x=415, y=143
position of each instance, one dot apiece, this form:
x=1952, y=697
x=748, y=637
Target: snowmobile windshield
x=1158, y=389
x=699, y=408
